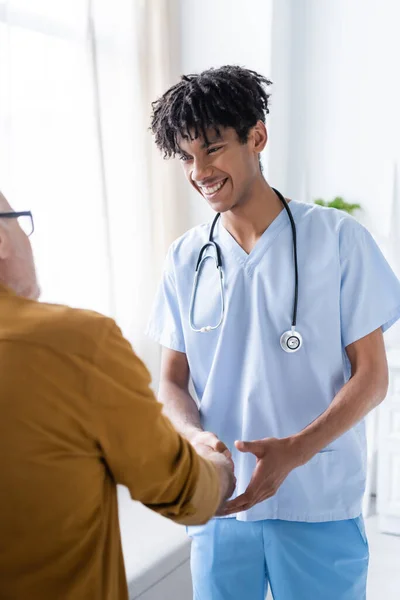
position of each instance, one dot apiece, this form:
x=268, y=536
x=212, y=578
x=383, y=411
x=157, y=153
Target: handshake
x=275, y=459
x=211, y=448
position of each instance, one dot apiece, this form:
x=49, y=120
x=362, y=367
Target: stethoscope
x=290, y=340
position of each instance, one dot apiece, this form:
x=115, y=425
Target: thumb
x=220, y=447
x=254, y=447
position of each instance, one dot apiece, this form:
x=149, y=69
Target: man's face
x=17, y=267
x=224, y=170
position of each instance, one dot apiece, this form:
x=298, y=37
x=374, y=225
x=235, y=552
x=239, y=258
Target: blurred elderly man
x=78, y=417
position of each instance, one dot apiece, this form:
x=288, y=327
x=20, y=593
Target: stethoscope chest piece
x=291, y=341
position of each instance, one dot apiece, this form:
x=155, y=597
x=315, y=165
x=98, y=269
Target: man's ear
x=4, y=243
x=259, y=137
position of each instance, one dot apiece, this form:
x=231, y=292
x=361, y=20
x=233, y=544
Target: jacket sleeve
x=138, y=443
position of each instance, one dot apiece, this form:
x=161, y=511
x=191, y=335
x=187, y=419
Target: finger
x=232, y=506
x=221, y=447
x=251, y=496
x=255, y=447
x=238, y=502
x=231, y=509
x=226, y=511
x=227, y=453
x=245, y=501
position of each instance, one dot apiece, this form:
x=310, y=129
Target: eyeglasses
x=25, y=220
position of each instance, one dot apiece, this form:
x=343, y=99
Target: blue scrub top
x=247, y=387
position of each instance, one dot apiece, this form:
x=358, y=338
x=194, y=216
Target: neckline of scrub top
x=267, y=238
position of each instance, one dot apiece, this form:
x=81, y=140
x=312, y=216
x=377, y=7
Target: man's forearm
x=362, y=393
x=180, y=408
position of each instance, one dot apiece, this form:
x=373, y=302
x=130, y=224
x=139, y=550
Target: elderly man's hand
x=210, y=447
x=204, y=441
x=227, y=479
x=275, y=460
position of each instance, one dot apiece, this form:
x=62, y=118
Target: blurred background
x=77, y=78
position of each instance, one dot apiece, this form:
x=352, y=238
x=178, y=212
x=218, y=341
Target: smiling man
x=283, y=343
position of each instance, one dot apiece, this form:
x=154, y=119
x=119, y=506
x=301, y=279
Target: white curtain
x=76, y=83
x=134, y=61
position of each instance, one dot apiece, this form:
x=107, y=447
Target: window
x=49, y=145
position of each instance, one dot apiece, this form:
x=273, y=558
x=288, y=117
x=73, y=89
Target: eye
x=184, y=157
x=214, y=150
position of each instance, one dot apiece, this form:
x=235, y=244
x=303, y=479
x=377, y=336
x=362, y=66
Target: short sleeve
x=370, y=291
x=165, y=324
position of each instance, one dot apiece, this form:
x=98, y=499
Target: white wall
x=335, y=122
x=218, y=32
x=343, y=62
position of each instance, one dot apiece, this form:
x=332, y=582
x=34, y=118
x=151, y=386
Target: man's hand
x=210, y=447
x=275, y=460
x=204, y=441
x=227, y=478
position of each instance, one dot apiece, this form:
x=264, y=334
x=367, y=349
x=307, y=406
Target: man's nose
x=201, y=171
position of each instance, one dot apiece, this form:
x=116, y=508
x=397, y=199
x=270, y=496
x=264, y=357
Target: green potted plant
x=340, y=204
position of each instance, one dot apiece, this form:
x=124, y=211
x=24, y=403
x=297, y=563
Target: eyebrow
x=214, y=140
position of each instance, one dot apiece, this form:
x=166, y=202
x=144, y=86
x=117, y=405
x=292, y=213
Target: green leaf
x=340, y=204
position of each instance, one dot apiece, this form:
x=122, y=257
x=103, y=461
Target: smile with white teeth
x=213, y=189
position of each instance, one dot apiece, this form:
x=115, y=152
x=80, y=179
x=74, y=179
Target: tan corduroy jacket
x=77, y=417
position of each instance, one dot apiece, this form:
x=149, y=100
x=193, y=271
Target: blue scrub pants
x=236, y=560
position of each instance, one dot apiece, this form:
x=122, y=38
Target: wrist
x=301, y=449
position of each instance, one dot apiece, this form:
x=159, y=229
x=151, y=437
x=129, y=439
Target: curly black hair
x=230, y=96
